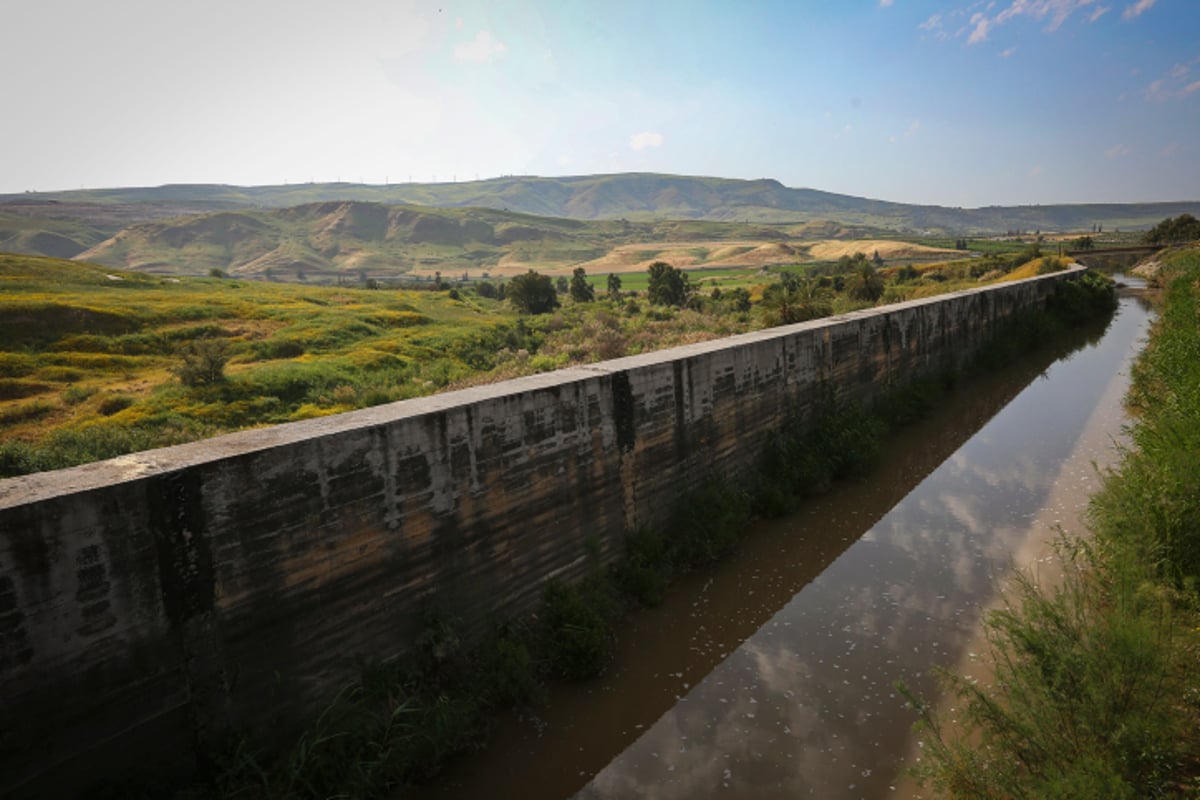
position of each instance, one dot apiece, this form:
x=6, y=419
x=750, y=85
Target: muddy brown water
x=772, y=675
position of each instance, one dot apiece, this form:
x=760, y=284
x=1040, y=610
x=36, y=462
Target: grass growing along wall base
x=400, y=722
x=1095, y=690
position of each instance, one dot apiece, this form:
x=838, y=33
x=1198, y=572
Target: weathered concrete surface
x=153, y=599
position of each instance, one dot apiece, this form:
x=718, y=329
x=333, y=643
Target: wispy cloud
x=1036, y=171
x=1008, y=53
x=885, y=3
x=1137, y=9
x=933, y=23
x=1157, y=91
x=1173, y=85
x=1053, y=13
x=640, y=141
x=979, y=33
x=480, y=50
x=1116, y=151
x=909, y=132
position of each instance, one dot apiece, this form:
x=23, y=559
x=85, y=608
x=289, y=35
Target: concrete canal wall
x=149, y=601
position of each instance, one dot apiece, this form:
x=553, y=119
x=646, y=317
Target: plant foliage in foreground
x=96, y=363
x=399, y=722
x=1095, y=692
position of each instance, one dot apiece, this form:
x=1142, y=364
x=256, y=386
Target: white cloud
x=1008, y=53
x=934, y=26
x=885, y=3
x=483, y=48
x=1053, y=12
x=1157, y=91
x=1137, y=9
x=980, y=33
x=913, y=127
x=1169, y=150
x=1171, y=86
x=640, y=141
x=1036, y=171
x=931, y=24
x=1116, y=151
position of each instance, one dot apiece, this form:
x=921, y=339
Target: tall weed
x=1095, y=691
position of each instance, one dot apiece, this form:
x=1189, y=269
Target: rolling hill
x=637, y=196
x=323, y=242
x=322, y=232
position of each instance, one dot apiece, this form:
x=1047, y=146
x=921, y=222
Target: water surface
x=772, y=675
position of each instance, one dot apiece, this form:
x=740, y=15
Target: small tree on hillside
x=532, y=293
x=202, y=362
x=668, y=285
x=865, y=284
x=791, y=300
x=614, y=286
x=581, y=290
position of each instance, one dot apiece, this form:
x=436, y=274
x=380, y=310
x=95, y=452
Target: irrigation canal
x=771, y=675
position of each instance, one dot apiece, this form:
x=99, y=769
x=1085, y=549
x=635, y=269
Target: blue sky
x=953, y=103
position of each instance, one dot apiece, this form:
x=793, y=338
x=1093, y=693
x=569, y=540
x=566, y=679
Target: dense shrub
x=1184, y=228
x=202, y=362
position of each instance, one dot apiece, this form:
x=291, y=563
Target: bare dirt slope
x=743, y=254
x=638, y=257
x=831, y=249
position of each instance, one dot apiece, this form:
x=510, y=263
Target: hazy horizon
x=31, y=192
x=1009, y=102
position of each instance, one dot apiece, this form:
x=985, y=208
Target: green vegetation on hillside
x=1095, y=692
x=352, y=242
x=90, y=356
x=644, y=196
x=399, y=722
x=1184, y=228
x=96, y=363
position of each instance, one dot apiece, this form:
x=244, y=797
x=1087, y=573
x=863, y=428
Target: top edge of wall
x=40, y=486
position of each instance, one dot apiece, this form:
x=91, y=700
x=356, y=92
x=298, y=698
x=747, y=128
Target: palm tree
x=793, y=300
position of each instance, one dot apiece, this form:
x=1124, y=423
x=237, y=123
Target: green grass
x=78, y=335
x=76, y=339
x=1095, y=691
x=398, y=723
